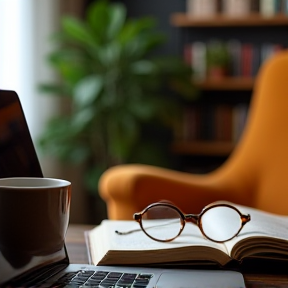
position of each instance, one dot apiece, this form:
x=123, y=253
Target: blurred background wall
x=25, y=40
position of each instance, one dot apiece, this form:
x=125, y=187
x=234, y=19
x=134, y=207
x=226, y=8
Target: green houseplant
x=218, y=59
x=120, y=97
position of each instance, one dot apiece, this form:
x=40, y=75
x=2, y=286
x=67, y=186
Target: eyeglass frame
x=192, y=218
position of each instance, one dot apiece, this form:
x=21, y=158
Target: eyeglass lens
x=221, y=223
x=162, y=222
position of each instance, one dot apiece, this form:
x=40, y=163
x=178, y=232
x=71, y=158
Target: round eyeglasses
x=218, y=222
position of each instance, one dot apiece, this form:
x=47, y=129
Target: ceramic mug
x=34, y=217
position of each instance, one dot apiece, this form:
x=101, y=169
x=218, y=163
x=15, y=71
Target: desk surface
x=75, y=243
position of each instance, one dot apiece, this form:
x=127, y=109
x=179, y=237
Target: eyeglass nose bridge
x=192, y=218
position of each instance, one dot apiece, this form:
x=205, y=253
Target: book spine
x=227, y=123
x=268, y=49
x=256, y=61
x=188, y=55
x=254, y=6
x=190, y=7
x=219, y=127
x=285, y=7
x=267, y=8
x=199, y=60
x=209, y=8
x=191, y=123
x=207, y=124
x=234, y=48
x=277, y=6
x=200, y=8
x=246, y=56
x=234, y=8
x=239, y=120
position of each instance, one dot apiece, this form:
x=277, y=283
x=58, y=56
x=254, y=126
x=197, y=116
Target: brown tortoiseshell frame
x=193, y=218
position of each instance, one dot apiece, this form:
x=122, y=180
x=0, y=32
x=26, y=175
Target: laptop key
x=92, y=282
x=145, y=276
x=108, y=283
x=141, y=281
x=129, y=275
x=125, y=282
x=114, y=275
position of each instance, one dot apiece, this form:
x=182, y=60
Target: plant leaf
x=87, y=90
x=122, y=135
x=77, y=30
x=81, y=119
x=97, y=18
x=117, y=20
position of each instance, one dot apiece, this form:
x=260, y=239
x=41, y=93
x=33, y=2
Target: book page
x=191, y=235
x=103, y=238
x=262, y=224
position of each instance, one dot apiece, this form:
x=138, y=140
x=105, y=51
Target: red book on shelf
x=223, y=122
x=191, y=123
x=247, y=57
x=188, y=54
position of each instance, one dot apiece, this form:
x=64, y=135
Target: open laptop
x=18, y=158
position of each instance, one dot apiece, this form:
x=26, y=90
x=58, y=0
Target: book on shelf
x=234, y=49
x=247, y=59
x=202, y=8
x=190, y=124
x=223, y=123
x=239, y=120
x=285, y=7
x=236, y=8
x=265, y=237
x=255, y=6
x=198, y=60
x=270, y=8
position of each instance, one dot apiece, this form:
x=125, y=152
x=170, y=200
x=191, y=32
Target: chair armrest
x=129, y=188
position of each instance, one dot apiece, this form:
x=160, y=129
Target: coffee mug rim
x=54, y=183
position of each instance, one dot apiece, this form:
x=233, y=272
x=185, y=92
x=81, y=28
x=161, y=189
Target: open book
x=265, y=236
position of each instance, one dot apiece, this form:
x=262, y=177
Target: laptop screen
x=17, y=153
x=18, y=158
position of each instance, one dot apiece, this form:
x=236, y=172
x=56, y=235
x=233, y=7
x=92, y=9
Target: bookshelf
x=230, y=84
x=254, y=19
x=206, y=148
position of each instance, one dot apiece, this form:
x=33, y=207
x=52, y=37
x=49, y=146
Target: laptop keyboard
x=103, y=279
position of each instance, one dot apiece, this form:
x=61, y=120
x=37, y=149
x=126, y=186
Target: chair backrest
x=260, y=161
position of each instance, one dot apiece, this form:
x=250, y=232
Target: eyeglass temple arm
x=137, y=217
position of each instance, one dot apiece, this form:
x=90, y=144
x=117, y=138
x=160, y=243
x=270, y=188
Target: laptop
x=18, y=158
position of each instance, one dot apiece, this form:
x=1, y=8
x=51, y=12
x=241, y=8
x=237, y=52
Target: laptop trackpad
x=201, y=279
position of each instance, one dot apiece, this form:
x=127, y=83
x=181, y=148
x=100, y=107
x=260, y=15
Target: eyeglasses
x=218, y=222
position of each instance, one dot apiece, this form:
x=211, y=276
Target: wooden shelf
x=227, y=83
x=185, y=20
x=204, y=148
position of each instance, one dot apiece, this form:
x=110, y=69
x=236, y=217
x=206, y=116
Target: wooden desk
x=75, y=243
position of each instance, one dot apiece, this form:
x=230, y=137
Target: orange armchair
x=255, y=174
